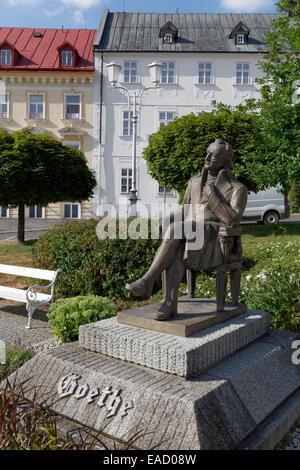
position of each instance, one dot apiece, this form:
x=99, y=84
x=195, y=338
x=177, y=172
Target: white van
x=267, y=206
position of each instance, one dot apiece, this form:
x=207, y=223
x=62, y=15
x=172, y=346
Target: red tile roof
x=40, y=53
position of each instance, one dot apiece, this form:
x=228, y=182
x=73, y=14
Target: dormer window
x=68, y=55
x=5, y=57
x=240, y=33
x=240, y=39
x=168, y=32
x=66, y=59
x=168, y=38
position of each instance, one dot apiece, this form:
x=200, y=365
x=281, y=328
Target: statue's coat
x=227, y=203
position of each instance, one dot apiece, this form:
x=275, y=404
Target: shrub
x=16, y=356
x=272, y=285
x=66, y=315
x=90, y=265
x=275, y=290
x=294, y=197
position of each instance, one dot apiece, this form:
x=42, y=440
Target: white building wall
x=183, y=97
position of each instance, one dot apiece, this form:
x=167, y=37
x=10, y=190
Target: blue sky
x=81, y=13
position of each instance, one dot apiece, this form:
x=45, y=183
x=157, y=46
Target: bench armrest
x=31, y=293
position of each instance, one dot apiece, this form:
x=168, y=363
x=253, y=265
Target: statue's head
x=219, y=155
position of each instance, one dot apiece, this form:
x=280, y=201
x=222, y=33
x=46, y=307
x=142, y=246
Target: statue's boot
x=174, y=276
x=141, y=288
x=167, y=310
x=165, y=254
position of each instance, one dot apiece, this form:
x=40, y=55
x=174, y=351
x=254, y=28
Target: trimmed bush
x=90, y=265
x=66, y=315
x=294, y=197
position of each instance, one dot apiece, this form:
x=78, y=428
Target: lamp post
x=134, y=99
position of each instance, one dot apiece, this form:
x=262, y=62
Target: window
x=35, y=212
x=4, y=106
x=165, y=117
x=66, y=58
x=73, y=107
x=71, y=210
x=168, y=38
x=73, y=144
x=168, y=72
x=242, y=74
x=5, y=57
x=36, y=106
x=162, y=190
x=3, y=212
x=240, y=38
x=205, y=73
x=130, y=72
x=126, y=180
x=127, y=123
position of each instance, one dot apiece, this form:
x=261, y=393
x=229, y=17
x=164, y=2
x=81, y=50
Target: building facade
x=46, y=85
x=204, y=57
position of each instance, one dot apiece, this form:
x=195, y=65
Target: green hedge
x=90, y=265
x=294, y=197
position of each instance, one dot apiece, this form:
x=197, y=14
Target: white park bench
x=31, y=297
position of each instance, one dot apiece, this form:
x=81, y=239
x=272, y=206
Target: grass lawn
x=262, y=235
x=19, y=254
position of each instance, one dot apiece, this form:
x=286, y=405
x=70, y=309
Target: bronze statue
x=224, y=199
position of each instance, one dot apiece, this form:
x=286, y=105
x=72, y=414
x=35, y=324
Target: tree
x=178, y=150
x=279, y=160
x=39, y=170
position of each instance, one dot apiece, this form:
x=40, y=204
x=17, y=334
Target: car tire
x=271, y=218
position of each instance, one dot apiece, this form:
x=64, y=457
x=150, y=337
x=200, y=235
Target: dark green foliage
x=177, y=151
x=90, y=265
x=66, y=315
x=37, y=169
x=279, y=160
x=294, y=197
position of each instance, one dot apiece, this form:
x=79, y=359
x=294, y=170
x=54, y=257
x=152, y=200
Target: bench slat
x=19, y=295
x=27, y=272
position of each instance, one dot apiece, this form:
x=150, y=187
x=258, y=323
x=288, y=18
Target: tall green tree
x=177, y=151
x=39, y=170
x=279, y=159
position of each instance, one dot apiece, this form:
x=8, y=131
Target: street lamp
x=113, y=70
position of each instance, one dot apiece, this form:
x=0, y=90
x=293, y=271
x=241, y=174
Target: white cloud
x=246, y=5
x=54, y=12
x=78, y=17
x=83, y=4
x=14, y=3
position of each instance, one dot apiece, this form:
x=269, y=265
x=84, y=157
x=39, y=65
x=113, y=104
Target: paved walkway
x=13, y=321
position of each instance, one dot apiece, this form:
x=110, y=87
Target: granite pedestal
x=193, y=315
x=228, y=387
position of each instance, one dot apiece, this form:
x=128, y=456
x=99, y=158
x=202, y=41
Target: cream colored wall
x=54, y=85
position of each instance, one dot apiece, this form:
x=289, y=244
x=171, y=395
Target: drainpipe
x=100, y=130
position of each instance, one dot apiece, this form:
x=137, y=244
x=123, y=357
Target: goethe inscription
x=108, y=397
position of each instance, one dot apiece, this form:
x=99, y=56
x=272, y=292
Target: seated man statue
x=224, y=200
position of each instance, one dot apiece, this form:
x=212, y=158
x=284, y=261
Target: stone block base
x=218, y=409
x=185, y=357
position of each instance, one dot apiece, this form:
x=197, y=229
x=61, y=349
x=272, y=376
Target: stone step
x=219, y=409
x=182, y=356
